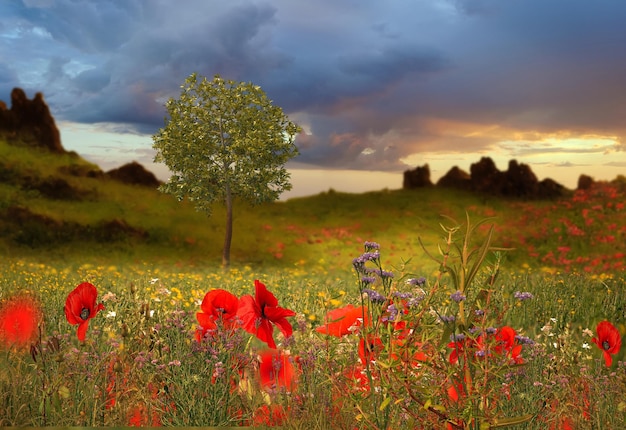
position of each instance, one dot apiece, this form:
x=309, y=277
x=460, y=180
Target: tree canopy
x=225, y=139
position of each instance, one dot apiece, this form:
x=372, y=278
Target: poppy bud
x=54, y=344
x=34, y=351
x=117, y=366
x=133, y=289
x=125, y=331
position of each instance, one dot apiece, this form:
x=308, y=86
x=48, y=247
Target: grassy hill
x=60, y=207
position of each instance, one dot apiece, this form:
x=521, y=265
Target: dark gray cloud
x=372, y=82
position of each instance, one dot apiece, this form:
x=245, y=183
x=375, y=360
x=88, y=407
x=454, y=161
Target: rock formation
x=134, y=173
x=418, y=178
x=518, y=181
x=30, y=121
x=456, y=178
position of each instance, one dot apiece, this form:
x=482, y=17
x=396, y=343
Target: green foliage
x=225, y=138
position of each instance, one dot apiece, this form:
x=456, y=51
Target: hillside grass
x=582, y=232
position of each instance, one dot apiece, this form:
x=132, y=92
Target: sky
x=379, y=87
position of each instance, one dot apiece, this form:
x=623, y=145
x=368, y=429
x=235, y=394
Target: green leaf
x=384, y=404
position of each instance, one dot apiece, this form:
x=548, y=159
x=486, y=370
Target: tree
x=225, y=140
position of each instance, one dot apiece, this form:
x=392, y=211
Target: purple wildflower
x=392, y=313
x=524, y=340
x=368, y=280
x=383, y=273
x=522, y=295
x=374, y=296
x=447, y=318
x=359, y=262
x=419, y=282
x=459, y=337
x=370, y=246
x=458, y=296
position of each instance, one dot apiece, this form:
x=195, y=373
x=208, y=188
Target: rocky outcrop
x=518, y=181
x=417, y=178
x=30, y=122
x=585, y=182
x=456, y=178
x=134, y=174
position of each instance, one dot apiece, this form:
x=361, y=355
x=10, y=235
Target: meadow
x=144, y=360
x=396, y=309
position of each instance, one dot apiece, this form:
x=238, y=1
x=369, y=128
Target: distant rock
x=29, y=121
x=420, y=177
x=135, y=174
x=585, y=182
x=518, y=181
x=456, y=178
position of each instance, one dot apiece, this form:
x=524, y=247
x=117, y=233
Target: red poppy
x=342, y=321
x=459, y=346
x=508, y=344
x=81, y=306
x=276, y=370
x=368, y=351
x=19, y=319
x=609, y=340
x=356, y=376
x=217, y=306
x=258, y=313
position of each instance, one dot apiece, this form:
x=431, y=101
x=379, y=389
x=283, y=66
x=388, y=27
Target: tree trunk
x=228, y=236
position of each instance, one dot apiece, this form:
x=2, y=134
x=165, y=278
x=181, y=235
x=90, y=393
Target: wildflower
x=609, y=340
x=19, y=320
x=368, y=280
x=359, y=262
x=371, y=246
x=458, y=346
x=374, y=296
x=342, y=321
x=458, y=296
x=259, y=312
x=217, y=305
x=276, y=370
x=522, y=295
x=383, y=273
x=447, y=319
x=369, y=348
x=506, y=338
x=419, y=282
x=392, y=313
x=81, y=306
x=524, y=340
